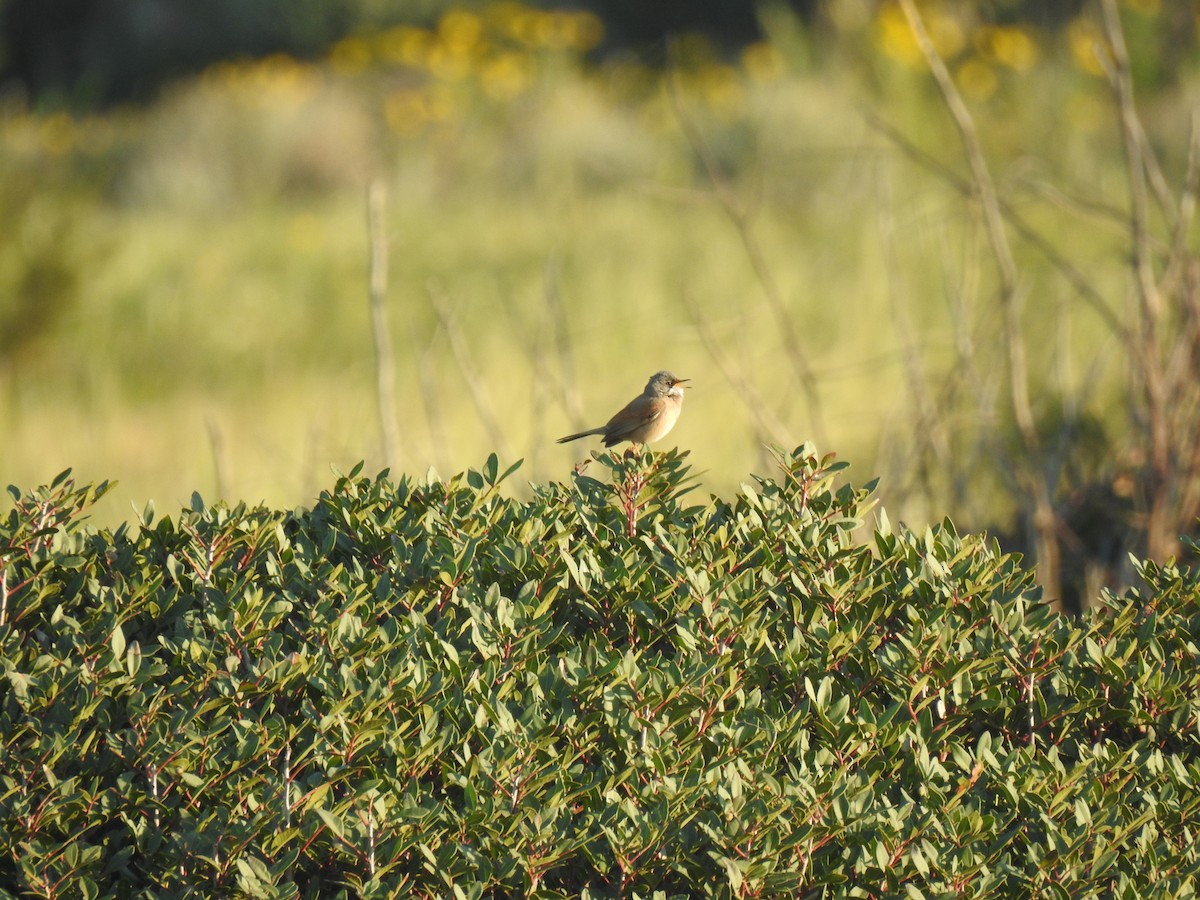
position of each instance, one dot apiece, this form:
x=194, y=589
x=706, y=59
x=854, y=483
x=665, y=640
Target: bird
x=645, y=418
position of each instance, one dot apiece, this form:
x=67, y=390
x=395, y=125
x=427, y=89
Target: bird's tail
x=577, y=436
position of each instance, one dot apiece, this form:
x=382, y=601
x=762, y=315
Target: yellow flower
x=505, y=75
x=977, y=79
x=1009, y=46
x=897, y=40
x=57, y=134
x=1088, y=47
x=460, y=30
x=405, y=46
x=448, y=63
x=895, y=37
x=586, y=30
x=405, y=111
x=350, y=55
x=721, y=88
x=762, y=62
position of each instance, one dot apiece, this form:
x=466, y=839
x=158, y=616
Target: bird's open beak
x=681, y=381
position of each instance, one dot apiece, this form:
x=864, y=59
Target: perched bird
x=646, y=418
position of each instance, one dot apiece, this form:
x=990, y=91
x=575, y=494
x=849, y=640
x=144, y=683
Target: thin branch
x=1121, y=77
x=754, y=253
x=466, y=366
x=929, y=433
x=561, y=333
x=1074, y=276
x=385, y=377
x=430, y=401
x=220, y=456
x=1175, y=275
x=1147, y=349
x=767, y=424
x=1044, y=516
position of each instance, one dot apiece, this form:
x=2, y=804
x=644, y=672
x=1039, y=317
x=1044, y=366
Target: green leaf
x=133, y=658
x=332, y=822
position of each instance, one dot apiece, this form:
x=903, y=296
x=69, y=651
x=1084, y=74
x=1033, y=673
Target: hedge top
x=434, y=690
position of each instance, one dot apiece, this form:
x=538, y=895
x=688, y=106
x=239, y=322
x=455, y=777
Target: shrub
x=431, y=689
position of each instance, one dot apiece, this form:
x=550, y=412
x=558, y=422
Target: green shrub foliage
x=429, y=689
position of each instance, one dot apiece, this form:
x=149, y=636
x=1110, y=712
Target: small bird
x=646, y=418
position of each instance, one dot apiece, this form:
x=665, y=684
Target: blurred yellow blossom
x=405, y=110
x=516, y=22
x=460, y=30
x=57, y=134
x=1010, y=46
x=448, y=62
x=350, y=55
x=721, y=88
x=762, y=62
x=977, y=79
x=1088, y=46
x=405, y=46
x=586, y=30
x=505, y=75
x=1145, y=7
x=897, y=40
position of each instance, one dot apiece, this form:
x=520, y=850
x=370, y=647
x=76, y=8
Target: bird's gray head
x=664, y=384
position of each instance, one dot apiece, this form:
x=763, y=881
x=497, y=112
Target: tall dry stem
x=385, y=376
x=476, y=386
x=742, y=223
x=1029, y=469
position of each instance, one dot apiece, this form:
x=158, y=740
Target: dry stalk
x=768, y=426
x=427, y=382
x=557, y=314
x=1072, y=273
x=1045, y=519
x=1149, y=307
x=929, y=433
x=385, y=377
x=484, y=407
x=741, y=221
x=220, y=456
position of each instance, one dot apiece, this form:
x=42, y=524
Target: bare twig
x=423, y=353
x=466, y=367
x=216, y=444
x=928, y=433
x=532, y=338
x=741, y=222
x=557, y=315
x=1176, y=273
x=385, y=378
x=1072, y=273
x=767, y=424
x=1147, y=348
x=1044, y=516
x=1136, y=164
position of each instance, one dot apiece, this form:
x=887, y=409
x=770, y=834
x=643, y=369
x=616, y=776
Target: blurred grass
x=207, y=255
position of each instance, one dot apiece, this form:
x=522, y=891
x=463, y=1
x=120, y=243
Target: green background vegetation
x=183, y=283
x=955, y=245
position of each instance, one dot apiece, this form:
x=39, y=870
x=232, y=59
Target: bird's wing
x=636, y=413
